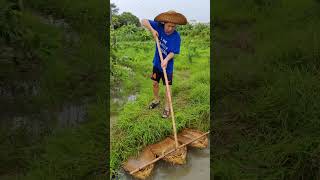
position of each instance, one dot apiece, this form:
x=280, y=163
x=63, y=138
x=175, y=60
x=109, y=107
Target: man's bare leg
x=167, y=98
x=156, y=99
x=156, y=91
x=166, y=106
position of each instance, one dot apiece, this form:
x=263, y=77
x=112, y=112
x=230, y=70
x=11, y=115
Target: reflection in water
x=19, y=114
x=38, y=123
x=197, y=167
x=71, y=115
x=132, y=97
x=121, y=101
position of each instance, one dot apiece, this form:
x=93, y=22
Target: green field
x=266, y=90
x=131, y=67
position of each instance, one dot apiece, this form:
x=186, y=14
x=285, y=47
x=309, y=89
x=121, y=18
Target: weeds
x=265, y=102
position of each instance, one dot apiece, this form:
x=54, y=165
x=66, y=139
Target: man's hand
x=164, y=63
x=146, y=24
x=167, y=59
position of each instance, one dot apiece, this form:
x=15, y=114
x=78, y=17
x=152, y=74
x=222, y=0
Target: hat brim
x=171, y=17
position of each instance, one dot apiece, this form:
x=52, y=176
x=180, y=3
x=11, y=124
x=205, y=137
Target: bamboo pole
x=168, y=94
x=167, y=153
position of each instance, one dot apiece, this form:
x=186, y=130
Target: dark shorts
x=157, y=75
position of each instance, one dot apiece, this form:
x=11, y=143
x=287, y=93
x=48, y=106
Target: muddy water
x=197, y=167
x=120, y=101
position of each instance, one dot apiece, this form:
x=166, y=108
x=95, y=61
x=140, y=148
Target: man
x=164, y=28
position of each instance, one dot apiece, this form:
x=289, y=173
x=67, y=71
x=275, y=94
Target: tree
x=113, y=12
x=115, y=22
x=127, y=18
x=114, y=9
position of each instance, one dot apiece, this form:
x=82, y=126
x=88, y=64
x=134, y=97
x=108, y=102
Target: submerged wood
x=188, y=134
x=136, y=162
x=177, y=157
x=167, y=153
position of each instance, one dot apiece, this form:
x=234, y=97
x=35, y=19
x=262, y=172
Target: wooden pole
x=168, y=94
x=169, y=152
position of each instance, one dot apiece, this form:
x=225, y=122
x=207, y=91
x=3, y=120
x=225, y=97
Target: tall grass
x=58, y=63
x=266, y=110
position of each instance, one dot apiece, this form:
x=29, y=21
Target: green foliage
x=191, y=50
x=9, y=21
x=127, y=18
x=115, y=22
x=83, y=16
x=46, y=65
x=265, y=100
x=131, y=33
x=114, y=9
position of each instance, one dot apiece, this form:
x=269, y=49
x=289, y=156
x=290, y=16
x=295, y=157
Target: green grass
x=58, y=62
x=266, y=106
x=86, y=17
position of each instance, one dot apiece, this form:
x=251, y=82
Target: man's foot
x=166, y=113
x=154, y=104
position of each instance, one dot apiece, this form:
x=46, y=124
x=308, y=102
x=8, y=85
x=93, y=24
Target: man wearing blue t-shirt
x=163, y=27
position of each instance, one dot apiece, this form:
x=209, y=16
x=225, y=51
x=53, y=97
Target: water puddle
x=132, y=97
x=119, y=101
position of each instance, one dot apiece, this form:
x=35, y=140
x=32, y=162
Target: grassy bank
x=137, y=126
x=266, y=84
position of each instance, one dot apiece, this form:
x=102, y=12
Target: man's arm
x=147, y=24
x=173, y=51
x=167, y=59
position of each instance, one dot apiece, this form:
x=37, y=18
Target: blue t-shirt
x=168, y=43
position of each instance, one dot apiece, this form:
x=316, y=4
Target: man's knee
x=155, y=84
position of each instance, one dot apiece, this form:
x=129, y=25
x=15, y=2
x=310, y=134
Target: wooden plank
x=160, y=157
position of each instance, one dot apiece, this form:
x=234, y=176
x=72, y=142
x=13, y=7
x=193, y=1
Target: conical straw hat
x=172, y=17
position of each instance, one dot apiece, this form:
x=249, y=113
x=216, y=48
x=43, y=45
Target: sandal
x=154, y=104
x=166, y=113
